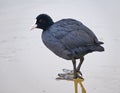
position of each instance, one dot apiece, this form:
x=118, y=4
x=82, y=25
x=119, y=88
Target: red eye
x=40, y=21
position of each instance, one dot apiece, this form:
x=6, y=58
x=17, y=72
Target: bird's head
x=43, y=21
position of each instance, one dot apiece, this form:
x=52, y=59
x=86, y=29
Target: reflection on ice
x=68, y=75
x=79, y=81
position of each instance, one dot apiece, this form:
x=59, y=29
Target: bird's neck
x=48, y=26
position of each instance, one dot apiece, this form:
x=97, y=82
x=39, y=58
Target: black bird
x=68, y=39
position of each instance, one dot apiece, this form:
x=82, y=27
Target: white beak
x=33, y=26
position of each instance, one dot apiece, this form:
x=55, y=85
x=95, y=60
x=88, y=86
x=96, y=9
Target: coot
x=68, y=39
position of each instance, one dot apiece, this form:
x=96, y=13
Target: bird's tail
x=97, y=48
x=101, y=42
x=100, y=48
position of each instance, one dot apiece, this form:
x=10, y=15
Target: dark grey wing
x=55, y=45
x=73, y=34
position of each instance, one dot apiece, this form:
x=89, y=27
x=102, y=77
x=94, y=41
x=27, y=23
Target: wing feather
x=72, y=33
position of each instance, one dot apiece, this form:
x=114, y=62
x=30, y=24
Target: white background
x=27, y=66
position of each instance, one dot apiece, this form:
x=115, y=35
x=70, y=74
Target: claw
x=80, y=77
x=67, y=71
x=69, y=75
x=65, y=76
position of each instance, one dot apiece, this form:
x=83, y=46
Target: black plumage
x=68, y=39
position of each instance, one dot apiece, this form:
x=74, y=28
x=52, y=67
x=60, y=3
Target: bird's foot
x=68, y=71
x=69, y=75
x=71, y=71
x=64, y=76
x=78, y=75
x=79, y=72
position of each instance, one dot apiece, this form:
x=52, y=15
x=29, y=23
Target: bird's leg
x=79, y=65
x=72, y=74
x=74, y=68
